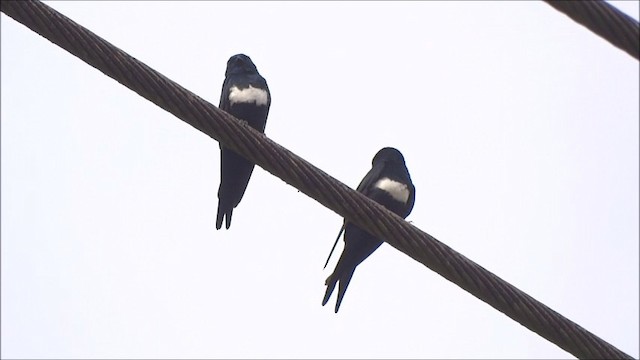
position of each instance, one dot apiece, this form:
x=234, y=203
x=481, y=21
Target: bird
x=246, y=96
x=389, y=184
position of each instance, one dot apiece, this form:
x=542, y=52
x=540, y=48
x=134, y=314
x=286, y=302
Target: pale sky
x=519, y=128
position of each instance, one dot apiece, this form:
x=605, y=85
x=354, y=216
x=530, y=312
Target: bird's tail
x=345, y=279
x=223, y=211
x=331, y=284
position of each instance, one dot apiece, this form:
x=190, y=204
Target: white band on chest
x=248, y=95
x=397, y=190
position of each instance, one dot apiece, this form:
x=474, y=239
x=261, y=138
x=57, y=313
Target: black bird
x=246, y=96
x=388, y=183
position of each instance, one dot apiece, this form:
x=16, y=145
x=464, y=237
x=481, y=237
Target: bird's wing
x=364, y=187
x=224, y=96
x=370, y=179
x=412, y=199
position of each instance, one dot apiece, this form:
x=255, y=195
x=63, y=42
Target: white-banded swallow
x=388, y=183
x=246, y=96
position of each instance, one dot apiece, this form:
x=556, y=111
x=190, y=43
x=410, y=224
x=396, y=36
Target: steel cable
x=618, y=28
x=312, y=181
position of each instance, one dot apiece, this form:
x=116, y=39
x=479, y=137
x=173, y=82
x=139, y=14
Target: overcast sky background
x=519, y=128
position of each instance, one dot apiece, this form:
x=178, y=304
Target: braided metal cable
x=299, y=173
x=605, y=20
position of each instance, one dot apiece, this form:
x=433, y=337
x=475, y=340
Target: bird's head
x=240, y=64
x=388, y=154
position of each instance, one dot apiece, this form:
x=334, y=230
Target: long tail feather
x=342, y=288
x=334, y=245
x=219, y=217
x=228, y=220
x=331, y=284
x=223, y=212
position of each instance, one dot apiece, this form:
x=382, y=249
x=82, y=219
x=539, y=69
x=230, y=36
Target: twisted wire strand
x=618, y=28
x=312, y=181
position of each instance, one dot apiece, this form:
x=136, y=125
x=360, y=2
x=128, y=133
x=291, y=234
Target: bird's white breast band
x=248, y=95
x=397, y=190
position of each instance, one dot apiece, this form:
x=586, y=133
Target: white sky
x=519, y=128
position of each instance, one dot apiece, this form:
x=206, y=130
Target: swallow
x=246, y=96
x=389, y=184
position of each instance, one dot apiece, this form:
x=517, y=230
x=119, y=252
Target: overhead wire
x=307, y=178
x=603, y=19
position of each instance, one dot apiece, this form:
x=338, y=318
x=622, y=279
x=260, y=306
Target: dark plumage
x=388, y=183
x=246, y=96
